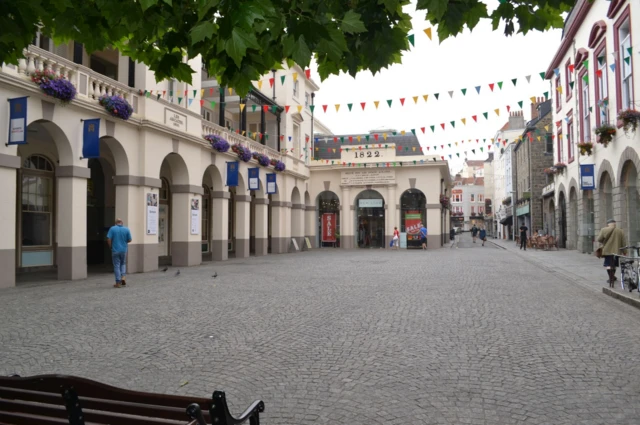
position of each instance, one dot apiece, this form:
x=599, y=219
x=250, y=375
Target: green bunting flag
x=627, y=60
x=389, y=102
x=520, y=104
x=500, y=84
x=514, y=81
x=585, y=78
x=586, y=64
x=412, y=39
x=571, y=84
x=342, y=140
x=170, y=93
x=458, y=154
x=413, y=130
x=436, y=95
x=449, y=144
x=432, y=128
x=546, y=95
x=481, y=149
x=453, y=124
x=600, y=60
x=367, y=137
x=629, y=49
x=179, y=100
x=147, y=93
x=542, y=75
x=486, y=115
x=464, y=92
x=350, y=105
x=282, y=79
x=194, y=93
x=590, y=108
x=221, y=90
x=274, y=109
x=313, y=107
x=213, y=104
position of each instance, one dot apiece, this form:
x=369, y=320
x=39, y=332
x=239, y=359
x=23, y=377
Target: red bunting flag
x=307, y=72
x=442, y=125
x=324, y=107
x=442, y=157
x=491, y=86
x=489, y=147
x=422, y=128
x=271, y=82
x=286, y=109
x=442, y=146
x=335, y=140
x=402, y=101
x=362, y=104
x=558, y=123
x=571, y=67
x=599, y=73
x=508, y=108
x=427, y=147
x=375, y=136
x=475, y=118
x=350, y=139
x=211, y=91
x=265, y=108
x=201, y=102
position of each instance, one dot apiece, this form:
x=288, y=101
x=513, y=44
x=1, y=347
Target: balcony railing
x=89, y=84
x=234, y=138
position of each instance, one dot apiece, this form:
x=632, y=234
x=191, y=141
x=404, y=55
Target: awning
x=507, y=221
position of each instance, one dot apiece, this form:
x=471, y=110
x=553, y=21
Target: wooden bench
x=60, y=399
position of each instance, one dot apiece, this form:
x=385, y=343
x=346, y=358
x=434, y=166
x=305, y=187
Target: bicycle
x=629, y=269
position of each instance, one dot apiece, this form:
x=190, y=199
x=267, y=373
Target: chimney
x=516, y=120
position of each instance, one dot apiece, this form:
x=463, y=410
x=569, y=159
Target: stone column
x=220, y=225
x=278, y=227
x=346, y=220
x=243, y=210
x=297, y=224
x=8, y=166
x=392, y=214
x=310, y=224
x=186, y=249
x=261, y=206
x=71, y=227
x=434, y=217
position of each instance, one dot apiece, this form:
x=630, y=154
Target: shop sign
x=367, y=177
x=370, y=203
x=328, y=227
x=175, y=120
x=412, y=220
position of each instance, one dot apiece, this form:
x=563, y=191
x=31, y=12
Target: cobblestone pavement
x=474, y=335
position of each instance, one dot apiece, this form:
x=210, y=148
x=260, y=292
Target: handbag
x=598, y=252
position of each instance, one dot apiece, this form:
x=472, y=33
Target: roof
x=475, y=163
x=477, y=181
x=408, y=142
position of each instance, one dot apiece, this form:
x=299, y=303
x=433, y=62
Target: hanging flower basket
x=550, y=171
x=605, y=134
x=243, y=153
x=444, y=201
x=261, y=158
x=217, y=142
x=506, y=201
x=54, y=85
x=278, y=165
x=630, y=119
x=586, y=148
x=116, y=106
x=560, y=165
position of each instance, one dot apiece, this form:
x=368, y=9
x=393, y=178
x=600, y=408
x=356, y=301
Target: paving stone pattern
x=450, y=336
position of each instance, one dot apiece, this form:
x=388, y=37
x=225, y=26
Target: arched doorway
x=370, y=219
x=328, y=203
x=100, y=211
x=573, y=220
x=588, y=221
x=551, y=222
x=413, y=211
x=631, y=204
x=232, y=221
x=605, y=199
x=297, y=217
x=562, y=222
x=164, y=222
x=176, y=246
x=205, y=223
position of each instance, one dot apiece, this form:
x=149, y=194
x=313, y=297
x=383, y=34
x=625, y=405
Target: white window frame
x=626, y=70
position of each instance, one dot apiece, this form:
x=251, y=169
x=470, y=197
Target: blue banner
x=587, y=179
x=271, y=184
x=91, y=138
x=232, y=173
x=254, y=178
x=18, y=121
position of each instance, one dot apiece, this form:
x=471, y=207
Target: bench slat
x=24, y=419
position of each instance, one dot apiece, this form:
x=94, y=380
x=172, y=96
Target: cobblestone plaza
x=475, y=335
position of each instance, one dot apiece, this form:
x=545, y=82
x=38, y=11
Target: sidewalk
x=583, y=269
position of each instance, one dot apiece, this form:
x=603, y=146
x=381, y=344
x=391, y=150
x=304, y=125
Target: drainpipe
x=313, y=139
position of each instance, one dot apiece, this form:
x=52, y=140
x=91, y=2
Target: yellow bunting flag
x=533, y=99
x=376, y=102
x=497, y=110
x=243, y=132
x=456, y=143
x=464, y=121
x=384, y=136
x=559, y=89
x=560, y=136
x=414, y=148
x=425, y=97
x=428, y=32
x=299, y=108
x=359, y=137
x=546, y=127
x=402, y=132
x=202, y=94
x=260, y=85
x=539, y=138
x=415, y=99
x=242, y=105
x=337, y=107
x=334, y=150
x=230, y=91
x=295, y=76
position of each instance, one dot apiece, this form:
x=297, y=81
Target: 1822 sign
x=367, y=154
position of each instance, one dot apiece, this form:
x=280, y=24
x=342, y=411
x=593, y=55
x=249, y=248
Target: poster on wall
x=195, y=216
x=587, y=180
x=412, y=220
x=152, y=213
x=17, y=121
x=271, y=183
x=329, y=227
x=254, y=178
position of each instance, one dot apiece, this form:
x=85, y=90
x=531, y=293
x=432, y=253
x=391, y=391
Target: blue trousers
x=119, y=264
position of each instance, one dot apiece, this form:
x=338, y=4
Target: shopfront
x=370, y=220
x=413, y=212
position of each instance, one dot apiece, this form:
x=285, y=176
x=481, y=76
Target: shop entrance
x=370, y=220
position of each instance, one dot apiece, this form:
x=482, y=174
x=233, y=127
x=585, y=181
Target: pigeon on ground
x=165, y=269
x=178, y=273
x=215, y=274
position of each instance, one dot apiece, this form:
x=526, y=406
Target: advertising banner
x=17, y=121
x=254, y=178
x=328, y=227
x=412, y=220
x=587, y=180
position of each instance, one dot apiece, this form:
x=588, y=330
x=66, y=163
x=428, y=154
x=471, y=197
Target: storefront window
x=370, y=220
x=413, y=211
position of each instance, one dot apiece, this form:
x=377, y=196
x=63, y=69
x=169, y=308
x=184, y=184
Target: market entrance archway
x=370, y=219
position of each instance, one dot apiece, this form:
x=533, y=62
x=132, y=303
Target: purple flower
x=243, y=153
x=263, y=160
x=55, y=86
x=279, y=166
x=217, y=142
x=116, y=106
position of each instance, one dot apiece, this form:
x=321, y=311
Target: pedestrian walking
x=474, y=233
x=483, y=235
x=118, y=239
x=612, y=239
x=452, y=236
x=423, y=236
x=396, y=238
x=523, y=236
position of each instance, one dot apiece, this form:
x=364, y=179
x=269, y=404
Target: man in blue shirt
x=117, y=239
x=423, y=236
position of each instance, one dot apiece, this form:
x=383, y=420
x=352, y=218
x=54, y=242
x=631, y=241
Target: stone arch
x=561, y=217
x=297, y=216
x=630, y=201
x=295, y=195
x=42, y=135
x=176, y=167
x=370, y=219
x=324, y=193
x=605, y=166
x=572, y=217
x=628, y=154
x=212, y=177
x=307, y=198
x=118, y=153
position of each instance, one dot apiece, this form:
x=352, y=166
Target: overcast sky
x=471, y=59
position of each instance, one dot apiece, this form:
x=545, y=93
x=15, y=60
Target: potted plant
x=605, y=134
x=550, y=171
x=278, y=165
x=243, y=153
x=261, y=158
x=586, y=148
x=217, y=142
x=444, y=201
x=630, y=119
x=54, y=85
x=116, y=106
x=506, y=201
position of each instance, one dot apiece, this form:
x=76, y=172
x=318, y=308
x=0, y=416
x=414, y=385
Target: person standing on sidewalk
x=523, y=236
x=118, y=239
x=474, y=233
x=612, y=239
x=396, y=238
x=423, y=236
x=483, y=235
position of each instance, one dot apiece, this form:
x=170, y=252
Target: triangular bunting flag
x=442, y=125
x=486, y=115
x=542, y=74
x=514, y=81
x=528, y=77
x=453, y=124
x=478, y=89
x=324, y=108
x=295, y=76
x=546, y=95
x=242, y=105
x=286, y=109
x=337, y=107
x=363, y=105
x=415, y=99
x=508, y=108
x=451, y=93
x=572, y=67
x=389, y=102
x=428, y=32
x=437, y=95
x=282, y=79
x=491, y=86
x=411, y=38
x=627, y=60
x=433, y=128
x=259, y=85
x=586, y=64
x=402, y=101
x=500, y=84
x=520, y=104
x=571, y=83
x=425, y=97
x=179, y=100
x=422, y=128
x=464, y=121
x=475, y=118
x=349, y=105
x=613, y=67
x=464, y=92
x=299, y=108
x=271, y=82
x=312, y=107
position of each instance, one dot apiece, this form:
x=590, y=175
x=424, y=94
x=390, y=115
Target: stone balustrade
x=234, y=138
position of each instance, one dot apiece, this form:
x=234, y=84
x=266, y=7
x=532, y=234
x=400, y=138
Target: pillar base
x=220, y=250
x=142, y=258
x=262, y=246
x=242, y=248
x=279, y=245
x=299, y=241
x=8, y=266
x=72, y=262
x=185, y=254
x=347, y=242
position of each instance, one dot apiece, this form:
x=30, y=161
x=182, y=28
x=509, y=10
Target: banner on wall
x=412, y=220
x=587, y=179
x=232, y=173
x=18, y=121
x=329, y=227
x=271, y=184
x=91, y=138
x=195, y=216
x=152, y=213
x=254, y=178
